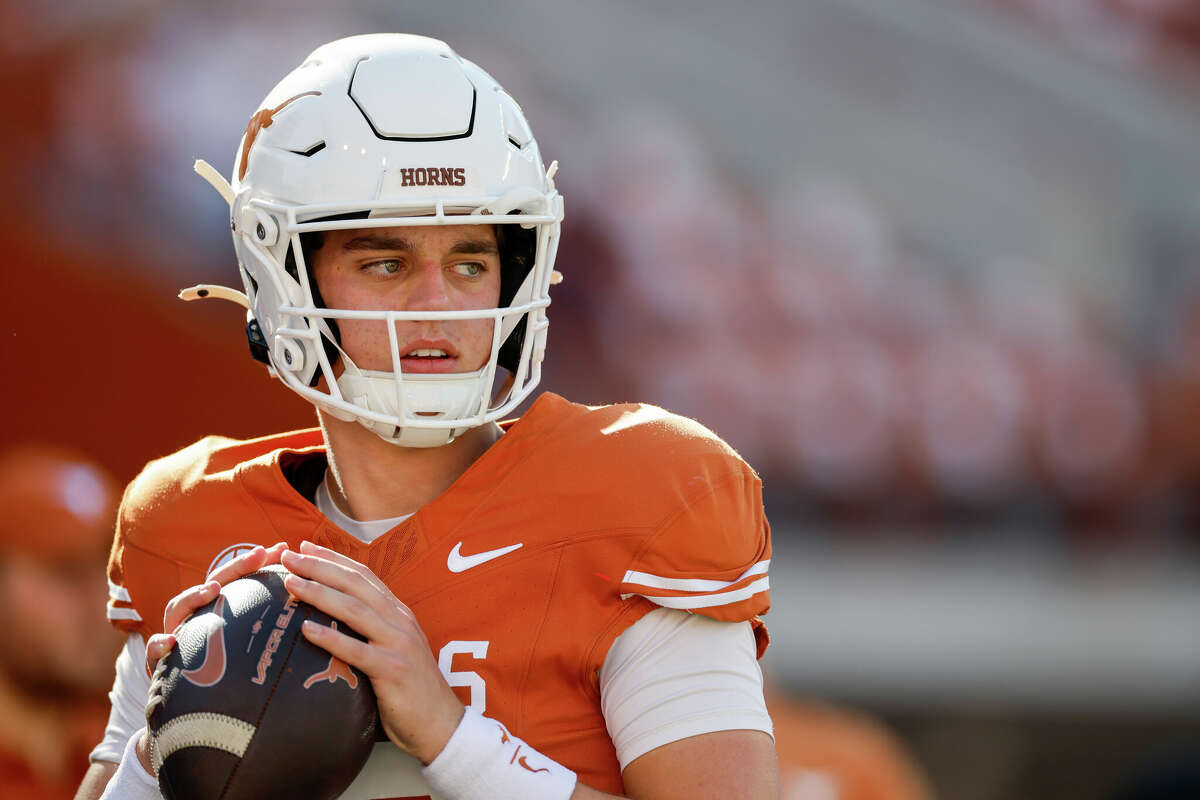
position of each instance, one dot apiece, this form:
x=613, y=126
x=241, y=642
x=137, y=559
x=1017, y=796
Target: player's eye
x=469, y=269
x=385, y=267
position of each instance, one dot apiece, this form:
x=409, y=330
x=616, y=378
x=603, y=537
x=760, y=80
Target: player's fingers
x=361, y=655
x=352, y=579
x=181, y=606
x=275, y=551
x=242, y=565
x=158, y=646
x=353, y=611
x=338, y=574
x=248, y=562
x=308, y=548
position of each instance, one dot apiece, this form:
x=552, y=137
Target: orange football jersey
x=575, y=524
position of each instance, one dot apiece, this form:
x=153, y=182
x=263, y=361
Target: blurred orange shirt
x=826, y=753
x=19, y=780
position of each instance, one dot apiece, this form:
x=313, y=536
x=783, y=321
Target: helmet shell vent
x=435, y=102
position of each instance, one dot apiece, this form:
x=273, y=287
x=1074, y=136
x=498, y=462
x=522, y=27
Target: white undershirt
x=670, y=675
x=366, y=532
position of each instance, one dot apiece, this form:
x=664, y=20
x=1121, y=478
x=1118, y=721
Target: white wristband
x=131, y=781
x=483, y=761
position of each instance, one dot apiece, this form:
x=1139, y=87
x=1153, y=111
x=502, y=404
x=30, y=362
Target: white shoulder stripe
x=689, y=601
x=118, y=592
x=124, y=613
x=691, y=584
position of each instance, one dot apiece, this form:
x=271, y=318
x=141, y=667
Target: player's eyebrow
x=377, y=241
x=475, y=247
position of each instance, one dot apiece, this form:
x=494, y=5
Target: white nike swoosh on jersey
x=457, y=562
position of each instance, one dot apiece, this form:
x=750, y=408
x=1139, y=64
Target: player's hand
x=418, y=709
x=184, y=604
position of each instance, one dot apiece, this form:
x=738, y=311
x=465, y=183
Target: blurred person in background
x=841, y=423
x=834, y=408
x=968, y=419
x=1091, y=442
x=831, y=753
x=56, y=517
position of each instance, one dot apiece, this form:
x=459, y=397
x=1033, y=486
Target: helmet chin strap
x=451, y=396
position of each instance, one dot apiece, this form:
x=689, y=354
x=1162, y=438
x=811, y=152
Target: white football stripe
x=118, y=592
x=708, y=600
x=124, y=613
x=202, y=729
x=691, y=584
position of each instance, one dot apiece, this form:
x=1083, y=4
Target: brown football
x=245, y=707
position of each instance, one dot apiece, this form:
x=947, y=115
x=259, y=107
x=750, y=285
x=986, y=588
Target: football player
x=564, y=605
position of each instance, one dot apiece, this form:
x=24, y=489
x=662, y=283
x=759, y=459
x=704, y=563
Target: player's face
x=428, y=268
x=52, y=643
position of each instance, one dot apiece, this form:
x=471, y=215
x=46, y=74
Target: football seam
x=266, y=704
x=201, y=729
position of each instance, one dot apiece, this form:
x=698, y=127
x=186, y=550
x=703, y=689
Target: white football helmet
x=390, y=130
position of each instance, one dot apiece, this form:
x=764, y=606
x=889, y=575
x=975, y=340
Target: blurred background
x=932, y=266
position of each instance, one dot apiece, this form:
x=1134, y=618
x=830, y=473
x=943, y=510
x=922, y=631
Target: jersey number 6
x=471, y=680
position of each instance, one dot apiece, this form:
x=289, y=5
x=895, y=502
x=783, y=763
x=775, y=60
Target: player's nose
x=429, y=290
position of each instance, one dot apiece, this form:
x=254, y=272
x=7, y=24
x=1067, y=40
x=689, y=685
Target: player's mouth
x=429, y=357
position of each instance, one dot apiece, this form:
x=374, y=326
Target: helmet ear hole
x=510, y=351
x=517, y=247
